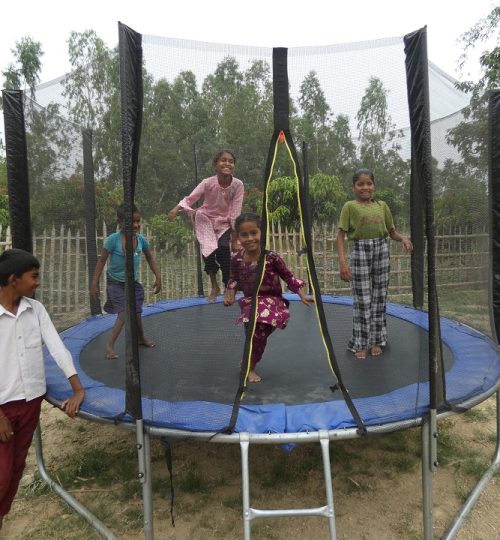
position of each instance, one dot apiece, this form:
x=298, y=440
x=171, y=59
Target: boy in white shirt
x=24, y=326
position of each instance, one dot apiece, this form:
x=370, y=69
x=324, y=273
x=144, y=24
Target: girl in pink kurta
x=272, y=308
x=214, y=219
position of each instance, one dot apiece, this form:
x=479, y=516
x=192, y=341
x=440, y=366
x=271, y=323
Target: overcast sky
x=266, y=23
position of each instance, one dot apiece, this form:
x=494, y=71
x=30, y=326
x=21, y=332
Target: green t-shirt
x=366, y=221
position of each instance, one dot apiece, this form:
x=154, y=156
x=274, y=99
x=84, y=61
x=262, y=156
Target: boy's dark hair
x=120, y=211
x=243, y=218
x=219, y=155
x=362, y=172
x=16, y=261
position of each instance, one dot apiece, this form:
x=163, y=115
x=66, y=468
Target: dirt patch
x=377, y=485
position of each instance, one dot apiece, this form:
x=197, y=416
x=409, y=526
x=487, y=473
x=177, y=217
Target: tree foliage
x=186, y=120
x=326, y=200
x=470, y=135
x=24, y=72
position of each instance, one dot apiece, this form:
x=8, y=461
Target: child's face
x=136, y=222
x=27, y=283
x=225, y=164
x=249, y=236
x=364, y=188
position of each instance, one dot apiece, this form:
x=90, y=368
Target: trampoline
x=189, y=383
x=192, y=389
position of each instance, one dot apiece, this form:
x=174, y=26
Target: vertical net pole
x=494, y=201
x=131, y=87
x=417, y=236
x=417, y=76
x=130, y=47
x=90, y=213
x=17, y=169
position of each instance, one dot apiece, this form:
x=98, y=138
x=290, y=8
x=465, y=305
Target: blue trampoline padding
x=475, y=370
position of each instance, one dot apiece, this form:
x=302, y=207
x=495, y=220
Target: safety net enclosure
x=348, y=108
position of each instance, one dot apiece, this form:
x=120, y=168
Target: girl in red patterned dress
x=272, y=308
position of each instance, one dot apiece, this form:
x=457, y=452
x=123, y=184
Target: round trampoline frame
x=474, y=371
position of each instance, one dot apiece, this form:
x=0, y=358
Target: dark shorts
x=115, y=292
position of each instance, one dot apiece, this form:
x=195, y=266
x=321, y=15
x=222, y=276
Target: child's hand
x=229, y=297
x=94, y=292
x=157, y=286
x=5, y=429
x=345, y=273
x=306, y=299
x=408, y=246
x=71, y=406
x=173, y=214
x=234, y=245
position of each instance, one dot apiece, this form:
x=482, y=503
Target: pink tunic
x=221, y=206
x=272, y=308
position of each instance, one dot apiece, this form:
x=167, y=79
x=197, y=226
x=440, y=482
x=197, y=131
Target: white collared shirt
x=22, y=371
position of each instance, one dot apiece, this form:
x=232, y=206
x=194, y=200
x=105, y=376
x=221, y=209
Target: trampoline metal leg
x=480, y=486
x=428, y=468
x=67, y=497
x=245, y=481
x=253, y=513
x=325, y=451
x=144, y=474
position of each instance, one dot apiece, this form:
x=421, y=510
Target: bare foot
x=214, y=293
x=253, y=376
x=361, y=355
x=111, y=354
x=147, y=343
x=376, y=350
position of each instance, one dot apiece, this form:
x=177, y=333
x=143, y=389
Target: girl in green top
x=367, y=223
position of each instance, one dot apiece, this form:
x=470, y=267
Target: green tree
x=315, y=109
x=60, y=203
x=88, y=85
x=328, y=137
x=326, y=200
x=51, y=143
x=470, y=136
x=25, y=71
x=172, y=236
x=174, y=121
x=92, y=93
x=461, y=199
x=108, y=198
x=461, y=186
x=219, y=89
x=373, y=117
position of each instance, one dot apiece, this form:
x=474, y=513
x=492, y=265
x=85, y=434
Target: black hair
x=120, y=211
x=219, y=155
x=16, y=261
x=363, y=172
x=243, y=218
